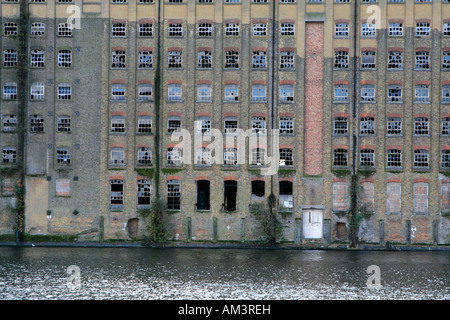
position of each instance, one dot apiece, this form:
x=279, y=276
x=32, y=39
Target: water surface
x=138, y=273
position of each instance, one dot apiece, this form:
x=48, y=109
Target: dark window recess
x=230, y=192
x=203, y=195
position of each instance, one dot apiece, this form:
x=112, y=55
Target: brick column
x=314, y=98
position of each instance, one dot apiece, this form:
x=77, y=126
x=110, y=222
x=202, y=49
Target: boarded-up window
x=421, y=197
x=367, y=196
x=393, y=197
x=445, y=197
x=62, y=187
x=8, y=187
x=340, y=196
x=341, y=230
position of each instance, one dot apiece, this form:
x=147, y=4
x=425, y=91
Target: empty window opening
x=203, y=195
x=230, y=192
x=286, y=200
x=258, y=190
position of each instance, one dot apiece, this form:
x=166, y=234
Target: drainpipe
x=157, y=104
x=22, y=88
x=353, y=223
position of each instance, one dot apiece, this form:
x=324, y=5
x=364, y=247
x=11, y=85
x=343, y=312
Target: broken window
x=394, y=93
x=10, y=58
x=445, y=126
x=231, y=59
x=287, y=60
x=287, y=29
x=286, y=157
x=203, y=195
x=10, y=28
x=421, y=158
x=175, y=30
x=230, y=194
x=258, y=156
x=231, y=92
x=367, y=126
x=340, y=125
x=395, y=60
x=173, y=194
x=145, y=59
x=230, y=156
x=286, y=200
x=144, y=156
x=340, y=93
x=63, y=156
x=10, y=91
x=230, y=125
x=368, y=93
x=205, y=30
x=368, y=60
x=146, y=30
x=259, y=125
x=259, y=60
x=445, y=159
x=9, y=123
x=341, y=60
x=174, y=124
x=119, y=29
x=63, y=124
x=144, y=124
x=36, y=123
x=394, y=158
x=395, y=29
x=204, y=59
x=286, y=125
x=144, y=190
x=37, y=90
x=422, y=60
x=174, y=59
x=118, y=124
x=367, y=157
x=341, y=30
x=64, y=58
x=340, y=157
x=174, y=156
x=421, y=126
x=259, y=29
x=64, y=30
x=117, y=157
x=116, y=194
x=394, y=126
x=203, y=156
x=118, y=58
x=9, y=155
x=231, y=29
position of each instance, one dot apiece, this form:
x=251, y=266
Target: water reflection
x=40, y=273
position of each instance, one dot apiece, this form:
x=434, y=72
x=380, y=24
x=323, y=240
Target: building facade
x=339, y=109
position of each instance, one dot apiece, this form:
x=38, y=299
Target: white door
x=312, y=224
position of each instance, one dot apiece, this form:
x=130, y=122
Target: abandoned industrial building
x=329, y=114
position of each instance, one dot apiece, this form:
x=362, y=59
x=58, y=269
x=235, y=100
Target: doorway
x=312, y=224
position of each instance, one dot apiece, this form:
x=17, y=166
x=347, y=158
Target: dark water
x=137, y=273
